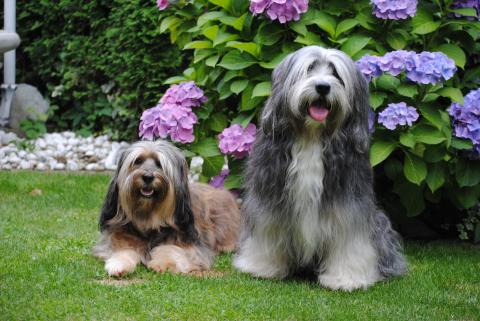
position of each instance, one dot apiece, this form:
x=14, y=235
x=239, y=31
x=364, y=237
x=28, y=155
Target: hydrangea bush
x=420, y=57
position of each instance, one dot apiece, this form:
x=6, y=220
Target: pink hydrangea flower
x=281, y=10
x=162, y=4
x=219, y=180
x=173, y=116
x=237, y=141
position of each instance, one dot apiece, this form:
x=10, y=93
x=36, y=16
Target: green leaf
x=309, y=39
x=262, y=89
x=414, y=168
x=238, y=86
x=411, y=197
x=435, y=177
x=467, y=172
x=168, y=23
x=299, y=27
x=209, y=16
x=211, y=32
x=247, y=102
x=407, y=139
x=274, y=62
x=212, y=61
x=354, y=44
x=407, y=90
x=344, y=26
x=198, y=44
x=233, y=182
x=396, y=40
x=243, y=119
x=380, y=150
x=212, y=165
x=236, y=23
x=454, y=52
x=268, y=34
x=217, y=122
x=461, y=144
x=453, y=93
x=376, y=99
x=423, y=22
x=428, y=134
x=235, y=60
x=207, y=147
x=433, y=116
x=388, y=82
x=174, y=80
x=250, y=47
x=325, y=22
x=467, y=12
x=223, y=37
x=467, y=197
x=200, y=54
x=225, y=4
x=434, y=153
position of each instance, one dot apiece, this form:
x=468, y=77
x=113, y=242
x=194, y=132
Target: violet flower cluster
x=475, y=4
x=423, y=68
x=394, y=9
x=466, y=118
x=162, y=4
x=173, y=116
x=236, y=140
x=397, y=114
x=283, y=10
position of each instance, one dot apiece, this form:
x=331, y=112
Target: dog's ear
x=110, y=204
x=274, y=118
x=183, y=215
x=356, y=125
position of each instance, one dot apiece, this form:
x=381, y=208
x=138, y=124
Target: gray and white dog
x=309, y=201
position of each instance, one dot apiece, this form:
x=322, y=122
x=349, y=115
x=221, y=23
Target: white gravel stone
x=41, y=167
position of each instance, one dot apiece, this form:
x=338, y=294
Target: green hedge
x=423, y=172
x=99, y=62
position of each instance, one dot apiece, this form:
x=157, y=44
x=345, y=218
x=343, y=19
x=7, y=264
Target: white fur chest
x=305, y=177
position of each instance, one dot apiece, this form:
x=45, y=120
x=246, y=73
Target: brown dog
x=152, y=215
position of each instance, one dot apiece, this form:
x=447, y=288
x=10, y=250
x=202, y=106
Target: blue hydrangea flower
x=371, y=121
x=397, y=114
x=369, y=66
x=466, y=119
x=394, y=9
x=396, y=62
x=430, y=68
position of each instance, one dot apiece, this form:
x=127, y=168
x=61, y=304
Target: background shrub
x=425, y=175
x=99, y=62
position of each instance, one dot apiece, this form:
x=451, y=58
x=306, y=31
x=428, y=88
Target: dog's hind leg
x=179, y=259
x=391, y=261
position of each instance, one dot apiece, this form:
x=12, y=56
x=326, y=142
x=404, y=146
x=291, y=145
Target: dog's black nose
x=147, y=178
x=322, y=88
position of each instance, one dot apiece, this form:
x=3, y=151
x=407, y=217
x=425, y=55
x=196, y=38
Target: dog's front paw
x=345, y=282
x=118, y=267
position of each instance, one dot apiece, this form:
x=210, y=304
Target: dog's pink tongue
x=318, y=113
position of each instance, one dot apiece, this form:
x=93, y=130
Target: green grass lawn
x=47, y=272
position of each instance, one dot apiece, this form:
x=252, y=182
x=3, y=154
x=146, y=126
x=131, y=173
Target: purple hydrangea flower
x=219, y=180
x=237, y=140
x=162, y=4
x=475, y=4
x=283, y=10
x=396, y=61
x=369, y=66
x=185, y=94
x=430, y=68
x=394, y=9
x=423, y=68
x=164, y=120
x=466, y=119
x=173, y=116
x=397, y=114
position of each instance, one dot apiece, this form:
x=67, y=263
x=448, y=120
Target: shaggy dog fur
x=151, y=215
x=309, y=202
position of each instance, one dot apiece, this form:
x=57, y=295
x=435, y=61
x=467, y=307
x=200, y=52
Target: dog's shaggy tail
x=391, y=261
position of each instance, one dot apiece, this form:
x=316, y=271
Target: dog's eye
x=157, y=163
x=312, y=66
x=335, y=74
x=138, y=161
